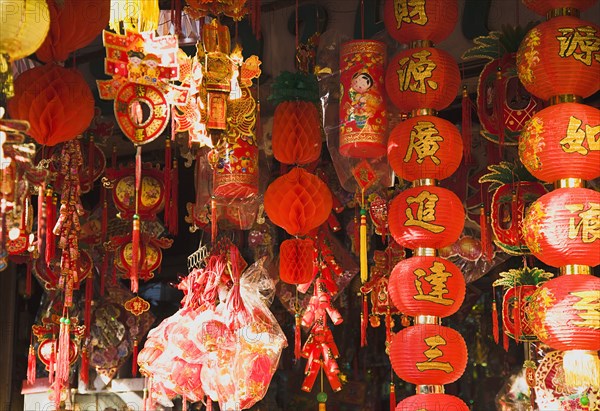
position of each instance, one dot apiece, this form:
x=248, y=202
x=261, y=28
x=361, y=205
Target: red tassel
x=50, y=221
x=84, y=371
x=104, y=226
x=364, y=318
x=135, y=254
x=28, y=279
x=392, y=396
x=505, y=341
x=499, y=97
x=517, y=317
x=388, y=328
x=467, y=130
x=209, y=406
x=62, y=357
x=167, y=178
x=184, y=403
x=31, y=365
x=41, y=208
x=297, y=337
x=486, y=235
x=213, y=220
x=174, y=218
x=134, y=366
x=103, y=273
x=89, y=296
x=52, y=362
x=91, y=162
x=495, y=328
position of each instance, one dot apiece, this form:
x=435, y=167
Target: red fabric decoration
x=422, y=78
x=296, y=263
x=298, y=202
x=561, y=141
x=550, y=62
x=432, y=402
x=495, y=328
x=31, y=365
x=84, y=372
x=428, y=354
x=428, y=20
x=425, y=147
x=73, y=25
x=561, y=227
x=426, y=285
x=56, y=101
x=562, y=312
x=542, y=7
x=513, y=312
x=296, y=136
x=426, y=216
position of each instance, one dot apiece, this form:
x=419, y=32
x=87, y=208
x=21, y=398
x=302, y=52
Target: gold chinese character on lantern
x=574, y=141
x=410, y=11
x=425, y=212
x=581, y=43
x=432, y=353
x=437, y=280
x=588, y=225
x=587, y=309
x=424, y=139
x=413, y=74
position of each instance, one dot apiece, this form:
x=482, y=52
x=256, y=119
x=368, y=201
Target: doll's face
x=361, y=82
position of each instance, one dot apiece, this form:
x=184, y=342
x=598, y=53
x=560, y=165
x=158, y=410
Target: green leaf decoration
x=506, y=173
x=498, y=43
x=290, y=86
x=522, y=276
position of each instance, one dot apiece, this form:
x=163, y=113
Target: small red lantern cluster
x=559, y=145
x=421, y=80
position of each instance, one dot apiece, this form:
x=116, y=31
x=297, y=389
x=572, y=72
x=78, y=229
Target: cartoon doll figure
x=363, y=102
x=134, y=65
x=151, y=63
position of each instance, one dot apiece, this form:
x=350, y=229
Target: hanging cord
x=362, y=19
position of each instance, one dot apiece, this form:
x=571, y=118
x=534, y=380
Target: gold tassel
x=582, y=368
x=136, y=15
x=364, y=270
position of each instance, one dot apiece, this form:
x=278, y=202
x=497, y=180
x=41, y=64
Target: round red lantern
x=432, y=402
x=428, y=354
x=57, y=103
x=426, y=20
x=561, y=141
x=426, y=284
x=555, y=58
x=426, y=216
x=542, y=7
x=425, y=147
x=296, y=136
x=563, y=312
x=298, y=201
x=363, y=117
x=561, y=227
x=423, y=77
x=296, y=261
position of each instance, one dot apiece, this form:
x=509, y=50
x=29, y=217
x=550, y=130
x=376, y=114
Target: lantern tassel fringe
x=466, y=127
x=392, y=396
x=364, y=271
x=134, y=357
x=297, y=337
x=62, y=357
x=84, y=372
x=495, y=329
x=31, y=365
x=582, y=368
x=364, y=315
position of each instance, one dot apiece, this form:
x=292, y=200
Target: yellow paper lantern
x=24, y=26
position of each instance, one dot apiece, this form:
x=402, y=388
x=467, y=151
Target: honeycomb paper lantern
x=426, y=20
x=561, y=141
x=425, y=147
x=564, y=314
x=554, y=58
x=432, y=402
x=422, y=78
x=296, y=136
x=296, y=261
x=561, y=227
x=428, y=354
x=56, y=101
x=24, y=27
x=426, y=285
x=426, y=216
x=542, y=7
x=298, y=201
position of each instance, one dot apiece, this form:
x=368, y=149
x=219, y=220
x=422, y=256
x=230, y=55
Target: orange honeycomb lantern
x=296, y=261
x=296, y=137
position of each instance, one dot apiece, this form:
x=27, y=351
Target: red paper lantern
x=426, y=285
x=298, y=201
x=296, y=261
x=542, y=7
x=422, y=78
x=561, y=227
x=73, y=25
x=57, y=103
x=557, y=58
x=296, y=136
x=563, y=312
x=363, y=117
x=432, y=402
x=425, y=147
x=428, y=354
x=426, y=216
x=408, y=21
x=561, y=141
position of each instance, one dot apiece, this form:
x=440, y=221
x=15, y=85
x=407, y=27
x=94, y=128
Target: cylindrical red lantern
x=426, y=216
x=298, y=201
x=556, y=58
x=425, y=20
x=426, y=285
x=425, y=147
x=561, y=227
x=296, y=136
x=57, y=103
x=428, y=354
x=561, y=141
x=432, y=402
x=296, y=261
x=542, y=7
x=422, y=78
x=236, y=168
x=563, y=312
x=363, y=118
